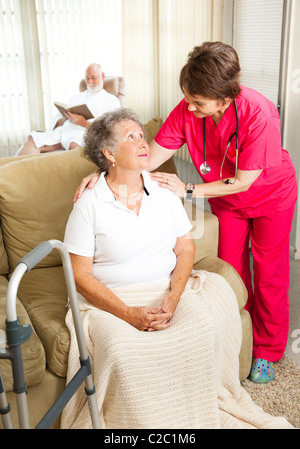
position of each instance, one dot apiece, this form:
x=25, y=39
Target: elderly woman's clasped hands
x=149, y=319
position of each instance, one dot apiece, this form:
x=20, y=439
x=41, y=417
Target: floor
x=293, y=344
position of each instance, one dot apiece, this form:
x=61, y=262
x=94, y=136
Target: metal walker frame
x=16, y=335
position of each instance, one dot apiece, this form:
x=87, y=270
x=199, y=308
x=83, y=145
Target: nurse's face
x=205, y=107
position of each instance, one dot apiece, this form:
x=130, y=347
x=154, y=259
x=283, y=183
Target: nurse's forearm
x=216, y=189
x=212, y=189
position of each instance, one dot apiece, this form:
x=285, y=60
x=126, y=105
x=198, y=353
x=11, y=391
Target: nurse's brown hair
x=212, y=71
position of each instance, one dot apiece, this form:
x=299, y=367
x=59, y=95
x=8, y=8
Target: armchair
x=113, y=84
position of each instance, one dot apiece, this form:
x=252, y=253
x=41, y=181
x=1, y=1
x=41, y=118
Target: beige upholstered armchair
x=113, y=84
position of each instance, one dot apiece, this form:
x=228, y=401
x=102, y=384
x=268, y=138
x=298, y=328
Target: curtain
x=73, y=34
x=45, y=47
x=157, y=46
x=14, y=104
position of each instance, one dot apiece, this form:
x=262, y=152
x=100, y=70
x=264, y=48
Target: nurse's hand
x=171, y=182
x=87, y=182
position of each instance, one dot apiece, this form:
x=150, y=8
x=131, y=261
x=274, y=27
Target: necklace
x=126, y=197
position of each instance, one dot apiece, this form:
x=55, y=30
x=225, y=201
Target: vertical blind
x=257, y=30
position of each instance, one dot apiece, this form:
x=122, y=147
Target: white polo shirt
x=127, y=248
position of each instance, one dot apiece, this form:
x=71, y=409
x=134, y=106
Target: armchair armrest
x=205, y=230
x=224, y=269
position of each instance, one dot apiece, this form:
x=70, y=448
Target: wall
x=291, y=125
x=157, y=37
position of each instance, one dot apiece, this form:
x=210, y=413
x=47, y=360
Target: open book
x=80, y=109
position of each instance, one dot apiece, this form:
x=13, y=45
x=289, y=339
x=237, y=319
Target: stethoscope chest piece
x=205, y=168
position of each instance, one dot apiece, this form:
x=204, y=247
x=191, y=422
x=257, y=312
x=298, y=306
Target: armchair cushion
x=33, y=353
x=30, y=189
x=151, y=128
x=44, y=294
x=3, y=257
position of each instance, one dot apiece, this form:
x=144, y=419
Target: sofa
x=36, y=198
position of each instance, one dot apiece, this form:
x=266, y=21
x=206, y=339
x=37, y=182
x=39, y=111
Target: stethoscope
x=205, y=168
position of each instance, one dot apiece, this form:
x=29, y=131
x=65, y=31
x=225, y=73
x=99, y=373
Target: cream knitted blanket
x=184, y=377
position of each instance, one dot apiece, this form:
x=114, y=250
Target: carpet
x=281, y=397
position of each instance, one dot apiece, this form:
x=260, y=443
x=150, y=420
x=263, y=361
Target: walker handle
x=36, y=255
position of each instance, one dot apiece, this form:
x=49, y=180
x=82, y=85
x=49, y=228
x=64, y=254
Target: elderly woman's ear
x=108, y=154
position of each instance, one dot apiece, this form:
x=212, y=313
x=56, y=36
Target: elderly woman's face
x=133, y=150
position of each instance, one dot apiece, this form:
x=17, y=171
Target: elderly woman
x=233, y=136
x=115, y=242
x=155, y=332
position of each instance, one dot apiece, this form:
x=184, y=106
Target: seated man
x=67, y=133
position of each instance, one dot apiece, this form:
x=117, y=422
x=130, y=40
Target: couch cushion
x=36, y=198
x=3, y=256
x=33, y=353
x=205, y=230
x=44, y=295
x=151, y=128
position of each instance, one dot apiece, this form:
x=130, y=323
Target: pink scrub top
x=259, y=148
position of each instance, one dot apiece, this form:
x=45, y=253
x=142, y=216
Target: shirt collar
x=104, y=193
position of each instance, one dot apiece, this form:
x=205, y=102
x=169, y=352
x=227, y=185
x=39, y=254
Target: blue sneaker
x=262, y=371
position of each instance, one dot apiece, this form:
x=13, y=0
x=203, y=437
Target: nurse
x=233, y=136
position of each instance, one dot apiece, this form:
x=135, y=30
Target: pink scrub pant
x=268, y=302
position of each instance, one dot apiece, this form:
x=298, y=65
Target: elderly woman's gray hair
x=103, y=134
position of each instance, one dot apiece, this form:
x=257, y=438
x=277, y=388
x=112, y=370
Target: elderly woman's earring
x=114, y=164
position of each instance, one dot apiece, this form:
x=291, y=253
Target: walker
x=16, y=335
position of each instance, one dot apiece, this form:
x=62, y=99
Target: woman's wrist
x=170, y=303
x=124, y=313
